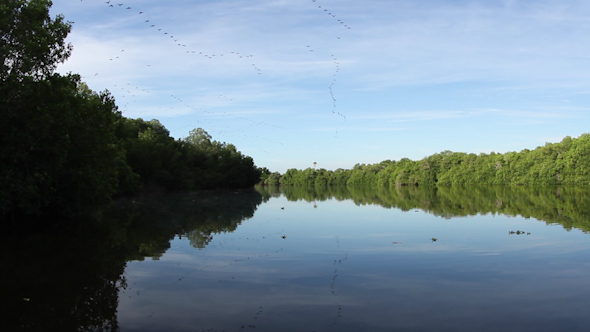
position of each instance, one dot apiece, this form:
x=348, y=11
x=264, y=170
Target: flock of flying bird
x=127, y=90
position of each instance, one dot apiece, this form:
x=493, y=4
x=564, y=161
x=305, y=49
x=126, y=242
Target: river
x=305, y=259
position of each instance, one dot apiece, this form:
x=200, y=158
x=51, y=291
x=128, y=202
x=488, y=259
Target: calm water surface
x=353, y=261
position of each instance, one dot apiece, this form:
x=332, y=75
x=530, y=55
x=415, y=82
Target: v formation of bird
x=128, y=91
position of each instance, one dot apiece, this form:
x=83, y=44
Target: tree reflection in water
x=567, y=206
x=68, y=279
x=71, y=279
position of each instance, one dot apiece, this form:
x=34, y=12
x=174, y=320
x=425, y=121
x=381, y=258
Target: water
x=334, y=260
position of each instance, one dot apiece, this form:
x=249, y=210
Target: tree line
x=65, y=148
x=563, y=163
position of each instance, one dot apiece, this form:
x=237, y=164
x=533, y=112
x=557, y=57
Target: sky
x=297, y=82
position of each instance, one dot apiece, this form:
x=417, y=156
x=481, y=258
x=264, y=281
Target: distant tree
x=154, y=155
x=322, y=178
x=274, y=179
x=215, y=164
x=339, y=177
x=567, y=162
x=576, y=161
x=199, y=138
x=289, y=177
x=264, y=174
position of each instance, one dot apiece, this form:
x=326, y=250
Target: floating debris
x=519, y=232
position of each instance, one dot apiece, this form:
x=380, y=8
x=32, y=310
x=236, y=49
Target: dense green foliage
x=564, y=163
x=31, y=43
x=65, y=149
x=196, y=162
x=58, y=148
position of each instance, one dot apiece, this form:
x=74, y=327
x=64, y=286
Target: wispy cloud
x=402, y=65
x=408, y=116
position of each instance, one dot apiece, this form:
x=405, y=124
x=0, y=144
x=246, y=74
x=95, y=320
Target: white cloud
x=403, y=65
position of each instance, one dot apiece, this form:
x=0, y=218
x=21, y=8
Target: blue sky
x=295, y=82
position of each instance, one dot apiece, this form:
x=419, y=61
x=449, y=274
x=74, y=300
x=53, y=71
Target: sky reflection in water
x=344, y=267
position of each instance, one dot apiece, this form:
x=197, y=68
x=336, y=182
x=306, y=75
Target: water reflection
x=61, y=280
x=324, y=259
x=69, y=279
x=567, y=206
